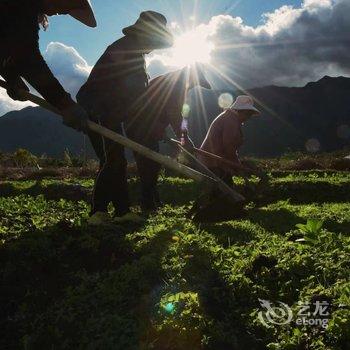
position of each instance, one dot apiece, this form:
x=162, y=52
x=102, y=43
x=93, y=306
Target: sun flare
x=191, y=47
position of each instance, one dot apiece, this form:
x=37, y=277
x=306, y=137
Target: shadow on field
x=177, y=191
x=227, y=233
x=279, y=221
x=54, y=191
x=221, y=303
x=304, y=193
x=337, y=227
x=173, y=191
x=282, y=221
x=63, y=267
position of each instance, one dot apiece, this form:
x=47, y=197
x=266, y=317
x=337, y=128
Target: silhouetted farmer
x=163, y=107
x=20, y=56
x=225, y=137
x=113, y=93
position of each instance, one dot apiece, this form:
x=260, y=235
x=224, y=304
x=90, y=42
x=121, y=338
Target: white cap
x=246, y=103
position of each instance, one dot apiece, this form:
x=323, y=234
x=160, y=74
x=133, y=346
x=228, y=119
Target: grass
x=170, y=283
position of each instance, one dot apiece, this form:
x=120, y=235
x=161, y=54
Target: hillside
x=40, y=132
x=291, y=117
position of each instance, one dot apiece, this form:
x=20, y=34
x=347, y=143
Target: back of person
x=119, y=71
x=223, y=139
x=165, y=99
x=18, y=26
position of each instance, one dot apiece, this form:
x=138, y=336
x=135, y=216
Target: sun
x=191, y=47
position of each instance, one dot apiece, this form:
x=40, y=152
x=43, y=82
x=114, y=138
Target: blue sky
x=113, y=15
x=291, y=46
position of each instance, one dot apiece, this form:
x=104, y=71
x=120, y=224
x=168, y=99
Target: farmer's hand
x=76, y=117
x=255, y=171
x=251, y=168
x=188, y=145
x=17, y=94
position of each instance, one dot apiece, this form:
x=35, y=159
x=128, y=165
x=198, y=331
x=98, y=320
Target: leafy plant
x=170, y=284
x=311, y=231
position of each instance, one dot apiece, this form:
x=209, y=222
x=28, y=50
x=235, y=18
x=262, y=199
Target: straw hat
x=245, y=103
x=81, y=10
x=153, y=25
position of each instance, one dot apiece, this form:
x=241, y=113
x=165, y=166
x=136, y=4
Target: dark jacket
x=117, y=80
x=163, y=103
x=20, y=55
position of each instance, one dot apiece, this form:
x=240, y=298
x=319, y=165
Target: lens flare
x=191, y=47
x=169, y=308
x=186, y=109
x=225, y=100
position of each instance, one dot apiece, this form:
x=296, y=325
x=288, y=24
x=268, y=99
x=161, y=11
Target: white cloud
x=66, y=64
x=7, y=104
x=292, y=45
x=280, y=19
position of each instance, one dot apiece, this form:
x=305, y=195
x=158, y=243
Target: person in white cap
x=225, y=137
x=20, y=55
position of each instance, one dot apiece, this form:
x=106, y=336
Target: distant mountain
x=291, y=117
x=319, y=111
x=40, y=132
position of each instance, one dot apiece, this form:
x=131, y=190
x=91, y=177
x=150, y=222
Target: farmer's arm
x=232, y=139
x=15, y=84
x=35, y=70
x=175, y=120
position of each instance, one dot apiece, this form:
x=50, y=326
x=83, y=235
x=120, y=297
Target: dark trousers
x=111, y=182
x=148, y=170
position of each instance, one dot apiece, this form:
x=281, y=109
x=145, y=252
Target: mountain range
x=315, y=117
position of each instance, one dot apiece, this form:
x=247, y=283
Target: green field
x=170, y=283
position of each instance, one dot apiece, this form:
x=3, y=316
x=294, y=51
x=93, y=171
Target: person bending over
x=225, y=137
x=113, y=94
x=20, y=55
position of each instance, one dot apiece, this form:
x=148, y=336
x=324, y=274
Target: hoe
x=232, y=197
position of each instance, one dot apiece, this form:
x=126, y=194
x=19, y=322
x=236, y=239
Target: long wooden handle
x=213, y=156
x=146, y=152
x=224, y=188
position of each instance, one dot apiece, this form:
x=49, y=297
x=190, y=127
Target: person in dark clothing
x=20, y=55
x=113, y=93
x=163, y=107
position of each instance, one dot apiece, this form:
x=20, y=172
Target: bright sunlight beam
x=190, y=47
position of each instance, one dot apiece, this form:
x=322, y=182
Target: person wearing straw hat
x=225, y=137
x=20, y=55
x=113, y=94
